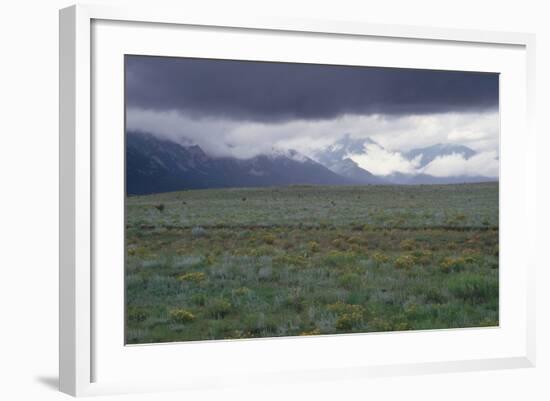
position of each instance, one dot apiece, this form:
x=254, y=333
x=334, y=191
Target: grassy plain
x=305, y=260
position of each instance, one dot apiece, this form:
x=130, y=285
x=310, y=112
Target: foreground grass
x=240, y=263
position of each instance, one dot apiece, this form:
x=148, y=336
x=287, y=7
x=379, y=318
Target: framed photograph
x=273, y=200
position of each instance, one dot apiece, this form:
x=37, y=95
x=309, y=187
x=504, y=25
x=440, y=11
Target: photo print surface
x=268, y=199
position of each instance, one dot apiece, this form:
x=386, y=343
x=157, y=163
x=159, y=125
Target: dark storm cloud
x=261, y=91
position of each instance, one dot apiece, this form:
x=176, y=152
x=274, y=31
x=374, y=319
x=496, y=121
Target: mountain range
x=156, y=165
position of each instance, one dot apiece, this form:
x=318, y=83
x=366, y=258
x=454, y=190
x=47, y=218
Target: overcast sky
x=243, y=108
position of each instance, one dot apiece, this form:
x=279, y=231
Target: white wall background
x=29, y=186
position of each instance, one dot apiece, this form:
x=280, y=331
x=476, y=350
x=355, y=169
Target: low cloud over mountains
x=160, y=165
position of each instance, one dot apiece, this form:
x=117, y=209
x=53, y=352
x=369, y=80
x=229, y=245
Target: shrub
x=136, y=314
x=410, y=308
x=400, y=326
x=349, y=280
x=434, y=295
x=338, y=243
x=241, y=291
x=379, y=257
x=199, y=299
x=292, y=260
x=269, y=238
x=452, y=264
x=379, y=324
x=159, y=207
x=244, y=234
x=198, y=232
x=354, y=240
x=218, y=308
x=473, y=287
x=470, y=252
x=257, y=323
x=368, y=227
x=348, y=321
x=179, y=315
x=460, y=217
x=134, y=250
x=407, y=244
x=313, y=246
x=343, y=308
x=294, y=299
x=452, y=245
x=422, y=257
x=187, y=261
x=260, y=250
x=339, y=258
x=395, y=323
x=195, y=277
x=355, y=248
x=404, y=262
x=488, y=322
x=314, y=332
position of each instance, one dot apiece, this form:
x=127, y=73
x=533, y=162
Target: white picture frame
x=80, y=348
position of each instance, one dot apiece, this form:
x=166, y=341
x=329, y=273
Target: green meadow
x=306, y=260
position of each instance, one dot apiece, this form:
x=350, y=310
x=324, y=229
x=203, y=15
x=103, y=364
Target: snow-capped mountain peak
x=363, y=160
x=292, y=154
x=429, y=153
